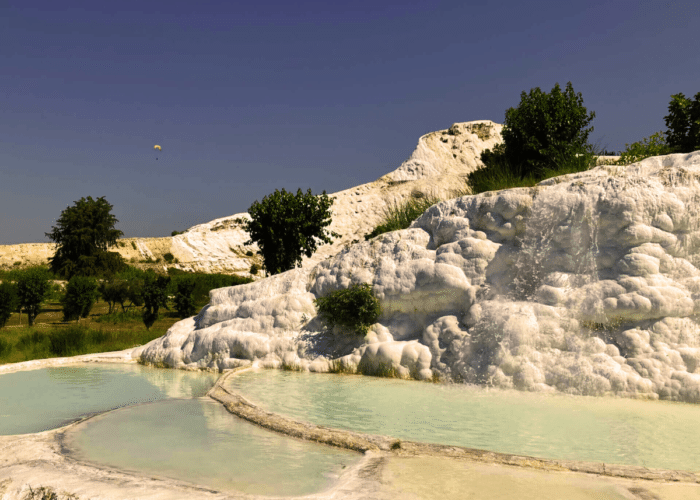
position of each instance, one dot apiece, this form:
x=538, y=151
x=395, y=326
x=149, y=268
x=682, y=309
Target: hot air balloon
x=157, y=148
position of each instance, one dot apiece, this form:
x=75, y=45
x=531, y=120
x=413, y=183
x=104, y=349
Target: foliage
x=654, y=145
x=66, y=341
x=254, y=269
x=118, y=317
x=356, y=308
x=33, y=286
x=81, y=295
x=184, y=297
x=683, y=122
x=83, y=233
x=9, y=301
x=543, y=133
x=175, y=233
x=5, y=347
x=154, y=297
x=114, y=291
x=400, y=216
x=286, y=226
x=168, y=257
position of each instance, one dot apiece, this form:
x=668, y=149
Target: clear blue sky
x=249, y=97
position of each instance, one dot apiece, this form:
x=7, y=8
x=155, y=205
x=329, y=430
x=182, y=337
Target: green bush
x=683, y=122
x=356, y=308
x=81, y=295
x=545, y=135
x=654, y=145
x=175, y=233
x=5, y=347
x=400, y=216
x=254, y=269
x=168, y=257
x=119, y=317
x=71, y=340
x=154, y=297
x=33, y=286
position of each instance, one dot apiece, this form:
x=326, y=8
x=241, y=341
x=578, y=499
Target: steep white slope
x=587, y=283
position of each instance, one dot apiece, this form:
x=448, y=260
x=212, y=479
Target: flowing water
x=655, y=434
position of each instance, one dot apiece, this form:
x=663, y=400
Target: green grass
x=400, y=216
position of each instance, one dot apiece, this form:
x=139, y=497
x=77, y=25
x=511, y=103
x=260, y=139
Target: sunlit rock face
x=587, y=284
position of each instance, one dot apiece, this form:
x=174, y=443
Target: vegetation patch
x=400, y=216
x=355, y=308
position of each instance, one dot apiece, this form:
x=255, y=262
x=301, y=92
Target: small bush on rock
x=654, y=145
x=356, y=308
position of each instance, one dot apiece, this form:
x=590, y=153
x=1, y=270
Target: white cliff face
x=437, y=167
x=587, y=284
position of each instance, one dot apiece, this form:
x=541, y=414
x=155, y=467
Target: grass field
x=99, y=332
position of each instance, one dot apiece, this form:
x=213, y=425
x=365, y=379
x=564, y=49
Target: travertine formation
x=437, y=167
x=586, y=283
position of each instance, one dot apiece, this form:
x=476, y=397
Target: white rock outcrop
x=587, y=283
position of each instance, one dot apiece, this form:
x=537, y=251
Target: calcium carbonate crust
x=586, y=284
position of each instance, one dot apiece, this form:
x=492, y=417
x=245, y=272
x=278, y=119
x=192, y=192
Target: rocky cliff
x=587, y=283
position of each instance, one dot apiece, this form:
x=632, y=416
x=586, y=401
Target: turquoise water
x=48, y=398
x=198, y=441
x=654, y=434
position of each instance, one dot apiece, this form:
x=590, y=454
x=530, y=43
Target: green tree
x=286, y=226
x=83, y=233
x=114, y=291
x=9, y=302
x=543, y=133
x=184, y=297
x=81, y=294
x=683, y=122
x=33, y=286
x=154, y=297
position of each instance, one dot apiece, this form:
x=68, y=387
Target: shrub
x=71, y=340
x=400, y=216
x=654, y=145
x=249, y=253
x=175, y=233
x=683, y=122
x=356, y=308
x=81, y=295
x=286, y=226
x=168, y=257
x=9, y=302
x=154, y=297
x=5, y=347
x=254, y=269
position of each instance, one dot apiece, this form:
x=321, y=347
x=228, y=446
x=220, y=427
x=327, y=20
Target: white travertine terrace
x=586, y=283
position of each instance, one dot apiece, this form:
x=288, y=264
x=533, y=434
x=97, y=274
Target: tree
x=9, y=302
x=184, y=297
x=83, y=233
x=683, y=122
x=154, y=296
x=544, y=131
x=287, y=226
x=33, y=285
x=81, y=294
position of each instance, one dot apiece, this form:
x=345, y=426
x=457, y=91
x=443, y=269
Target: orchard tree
x=81, y=295
x=83, y=233
x=33, y=286
x=286, y=226
x=154, y=297
x=9, y=302
x=683, y=122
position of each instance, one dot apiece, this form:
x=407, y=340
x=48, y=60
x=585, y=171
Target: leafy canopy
x=683, y=122
x=33, y=286
x=83, y=233
x=654, y=145
x=81, y=294
x=9, y=301
x=286, y=226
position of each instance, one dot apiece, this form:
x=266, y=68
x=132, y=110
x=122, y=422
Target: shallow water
x=48, y=398
x=198, y=441
x=655, y=434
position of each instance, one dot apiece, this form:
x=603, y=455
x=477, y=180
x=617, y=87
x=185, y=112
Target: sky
x=246, y=98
